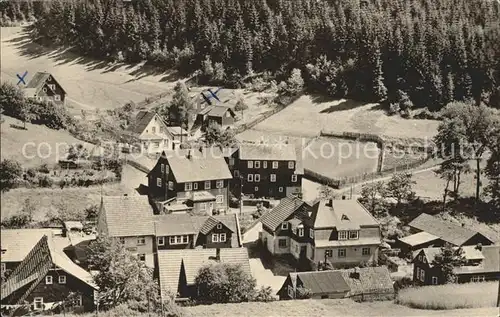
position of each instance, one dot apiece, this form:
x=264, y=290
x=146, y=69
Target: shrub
x=303, y=293
x=10, y=173
x=44, y=168
x=450, y=296
x=264, y=294
x=45, y=181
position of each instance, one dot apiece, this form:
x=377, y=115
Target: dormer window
x=353, y=235
x=344, y=217
x=311, y=233
x=300, y=232
x=342, y=235
x=284, y=226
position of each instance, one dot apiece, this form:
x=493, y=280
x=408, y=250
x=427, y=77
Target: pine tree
x=379, y=89
x=180, y=106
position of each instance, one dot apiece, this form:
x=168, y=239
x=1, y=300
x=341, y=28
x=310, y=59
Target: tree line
x=405, y=52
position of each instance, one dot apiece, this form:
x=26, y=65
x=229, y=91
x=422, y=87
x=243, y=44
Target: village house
x=46, y=278
x=196, y=177
x=341, y=232
x=262, y=170
x=482, y=264
x=44, y=87
x=130, y=220
x=177, y=269
x=370, y=283
x=154, y=134
x=221, y=115
x=428, y=231
x=16, y=244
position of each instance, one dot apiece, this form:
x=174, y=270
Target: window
x=300, y=232
x=171, y=185
x=282, y=243
x=257, y=164
x=264, y=164
x=220, y=184
x=38, y=303
x=44, y=89
x=250, y=177
x=219, y=226
x=273, y=178
x=284, y=226
x=122, y=240
x=328, y=253
x=250, y=164
x=296, y=248
x=57, y=98
x=215, y=237
x=154, y=129
x=311, y=233
x=275, y=164
x=365, y=251
x=231, y=161
x=48, y=279
x=39, y=98
x=161, y=240
x=256, y=188
x=162, y=168
x=236, y=173
x=290, y=291
x=280, y=189
x=158, y=182
x=222, y=237
x=219, y=199
x=420, y=258
x=341, y=253
x=342, y=235
x=203, y=206
x=179, y=239
x=62, y=279
x=188, y=187
x=141, y=257
x=291, y=165
x=207, y=185
x=195, y=186
x=167, y=169
x=294, y=178
x=422, y=275
x=52, y=86
x=434, y=280
x=353, y=235
x=141, y=240
x=80, y=300
x=256, y=177
x=477, y=278
x=418, y=273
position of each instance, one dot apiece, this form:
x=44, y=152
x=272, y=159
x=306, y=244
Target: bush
x=264, y=294
x=450, y=296
x=303, y=293
x=10, y=174
x=45, y=181
x=44, y=168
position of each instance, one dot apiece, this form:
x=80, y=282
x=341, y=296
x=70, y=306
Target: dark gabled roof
x=371, y=279
x=445, y=230
x=287, y=207
x=39, y=80
x=128, y=216
x=142, y=119
x=210, y=223
x=321, y=282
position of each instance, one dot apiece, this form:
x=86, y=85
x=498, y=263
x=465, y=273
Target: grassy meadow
x=450, y=296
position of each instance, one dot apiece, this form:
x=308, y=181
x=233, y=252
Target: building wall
x=147, y=249
x=478, y=238
x=56, y=292
x=268, y=240
x=224, y=192
x=168, y=246
x=353, y=256
x=281, y=250
x=48, y=95
x=295, y=248
x=491, y=276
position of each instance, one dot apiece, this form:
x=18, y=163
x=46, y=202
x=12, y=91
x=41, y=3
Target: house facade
x=196, y=177
x=47, y=277
x=260, y=170
x=482, y=263
x=340, y=232
x=221, y=115
x=130, y=220
x=44, y=87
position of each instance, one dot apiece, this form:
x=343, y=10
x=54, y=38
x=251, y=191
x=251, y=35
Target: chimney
x=479, y=247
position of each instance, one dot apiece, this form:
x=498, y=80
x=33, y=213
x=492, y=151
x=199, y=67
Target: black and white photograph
x=256, y=158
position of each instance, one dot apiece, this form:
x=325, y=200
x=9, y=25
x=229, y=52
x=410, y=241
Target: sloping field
x=307, y=117
x=337, y=158
x=329, y=307
x=36, y=145
x=90, y=84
